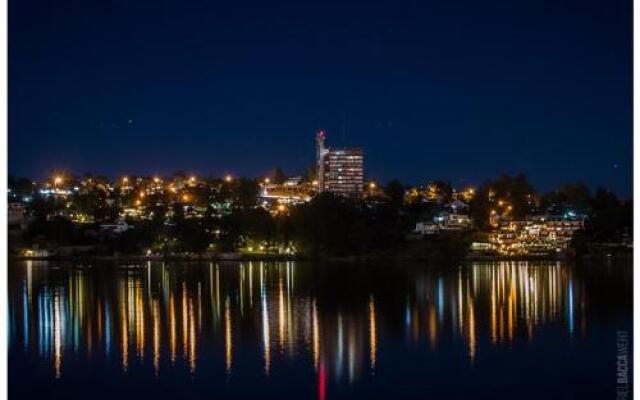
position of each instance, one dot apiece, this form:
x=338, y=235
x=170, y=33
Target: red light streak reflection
x=322, y=382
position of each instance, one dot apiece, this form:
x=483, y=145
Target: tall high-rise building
x=340, y=170
x=321, y=152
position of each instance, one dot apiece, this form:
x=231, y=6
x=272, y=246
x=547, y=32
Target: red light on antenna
x=320, y=134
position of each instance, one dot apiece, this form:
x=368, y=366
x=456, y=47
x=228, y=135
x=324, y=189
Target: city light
x=177, y=196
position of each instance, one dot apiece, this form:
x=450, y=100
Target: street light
x=228, y=178
x=56, y=181
x=372, y=185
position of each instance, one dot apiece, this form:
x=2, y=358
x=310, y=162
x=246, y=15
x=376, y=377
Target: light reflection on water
x=155, y=316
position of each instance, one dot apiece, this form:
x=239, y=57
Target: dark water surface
x=525, y=330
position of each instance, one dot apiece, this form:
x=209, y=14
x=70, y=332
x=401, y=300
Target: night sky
x=448, y=89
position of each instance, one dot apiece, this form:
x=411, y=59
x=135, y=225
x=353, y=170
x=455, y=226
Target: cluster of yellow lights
x=251, y=248
x=503, y=203
x=372, y=185
x=506, y=208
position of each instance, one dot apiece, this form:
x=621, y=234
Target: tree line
x=326, y=225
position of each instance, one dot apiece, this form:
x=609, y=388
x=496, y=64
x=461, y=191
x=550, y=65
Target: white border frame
x=3, y=189
x=3, y=200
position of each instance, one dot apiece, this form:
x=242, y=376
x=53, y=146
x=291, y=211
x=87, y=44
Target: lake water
x=491, y=330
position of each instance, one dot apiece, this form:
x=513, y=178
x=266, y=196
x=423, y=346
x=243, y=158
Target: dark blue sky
x=449, y=89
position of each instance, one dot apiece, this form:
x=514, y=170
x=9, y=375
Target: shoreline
x=237, y=257
x=145, y=258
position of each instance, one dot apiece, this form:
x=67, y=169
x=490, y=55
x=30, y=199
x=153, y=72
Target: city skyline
x=56, y=176
x=51, y=174
x=428, y=91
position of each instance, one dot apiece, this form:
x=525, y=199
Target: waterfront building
x=444, y=222
x=427, y=228
x=340, y=170
x=536, y=234
x=454, y=221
